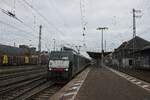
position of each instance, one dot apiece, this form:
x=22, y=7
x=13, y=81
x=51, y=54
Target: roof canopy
x=97, y=55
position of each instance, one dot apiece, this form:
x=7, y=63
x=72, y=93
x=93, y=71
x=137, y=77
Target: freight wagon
x=23, y=55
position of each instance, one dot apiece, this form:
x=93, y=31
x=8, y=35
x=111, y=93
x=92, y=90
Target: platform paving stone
x=103, y=84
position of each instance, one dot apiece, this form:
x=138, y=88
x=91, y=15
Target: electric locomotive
x=65, y=64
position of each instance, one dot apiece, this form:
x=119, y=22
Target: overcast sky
x=61, y=20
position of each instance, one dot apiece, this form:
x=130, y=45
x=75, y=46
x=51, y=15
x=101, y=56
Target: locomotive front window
x=63, y=63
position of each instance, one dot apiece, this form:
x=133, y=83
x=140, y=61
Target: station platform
x=104, y=84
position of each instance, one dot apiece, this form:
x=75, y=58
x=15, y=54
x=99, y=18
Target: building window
x=130, y=62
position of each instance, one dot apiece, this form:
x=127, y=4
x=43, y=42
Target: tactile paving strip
x=131, y=79
x=70, y=91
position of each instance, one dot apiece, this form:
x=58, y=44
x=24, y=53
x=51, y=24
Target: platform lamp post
x=102, y=30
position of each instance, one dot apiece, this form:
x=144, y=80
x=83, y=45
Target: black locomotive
x=65, y=64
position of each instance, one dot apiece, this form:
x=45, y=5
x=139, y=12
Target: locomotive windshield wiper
x=10, y=14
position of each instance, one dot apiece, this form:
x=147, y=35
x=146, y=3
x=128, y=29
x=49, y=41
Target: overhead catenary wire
x=20, y=29
x=44, y=18
x=33, y=29
x=144, y=6
x=16, y=27
x=13, y=10
x=34, y=22
x=59, y=14
x=11, y=37
x=26, y=33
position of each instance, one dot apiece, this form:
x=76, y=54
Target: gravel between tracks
x=18, y=80
x=12, y=69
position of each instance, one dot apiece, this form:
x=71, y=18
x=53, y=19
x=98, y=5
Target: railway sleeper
x=20, y=74
x=16, y=70
x=11, y=87
x=14, y=94
x=20, y=79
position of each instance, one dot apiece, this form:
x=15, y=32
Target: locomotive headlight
x=66, y=69
x=50, y=69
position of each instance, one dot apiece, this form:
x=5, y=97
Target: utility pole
x=14, y=44
x=39, y=46
x=134, y=29
x=40, y=33
x=134, y=24
x=54, y=44
x=134, y=20
x=102, y=30
x=78, y=49
x=105, y=46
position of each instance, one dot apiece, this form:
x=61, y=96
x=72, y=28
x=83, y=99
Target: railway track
x=26, y=83
x=13, y=69
x=47, y=93
x=18, y=76
x=20, y=79
x=16, y=83
x=5, y=89
x=14, y=93
x=22, y=73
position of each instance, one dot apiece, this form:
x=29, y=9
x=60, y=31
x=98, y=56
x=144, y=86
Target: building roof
x=5, y=49
x=16, y=51
x=139, y=43
x=97, y=55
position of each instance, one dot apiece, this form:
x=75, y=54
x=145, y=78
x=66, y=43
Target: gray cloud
x=65, y=22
